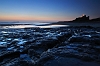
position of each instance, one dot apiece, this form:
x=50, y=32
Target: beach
x=51, y=46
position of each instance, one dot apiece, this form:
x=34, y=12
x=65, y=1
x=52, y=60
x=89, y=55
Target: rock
x=78, y=39
x=23, y=63
x=9, y=55
x=25, y=57
x=10, y=49
x=39, y=47
x=64, y=61
x=44, y=58
x=87, y=58
x=95, y=41
x=21, y=47
x=3, y=44
x=32, y=52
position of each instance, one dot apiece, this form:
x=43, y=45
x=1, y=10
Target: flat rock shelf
x=65, y=46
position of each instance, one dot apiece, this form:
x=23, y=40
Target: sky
x=47, y=10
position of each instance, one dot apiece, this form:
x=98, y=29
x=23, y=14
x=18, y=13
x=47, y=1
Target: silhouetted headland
x=81, y=21
x=83, y=18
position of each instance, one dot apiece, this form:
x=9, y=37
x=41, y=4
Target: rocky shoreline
x=50, y=46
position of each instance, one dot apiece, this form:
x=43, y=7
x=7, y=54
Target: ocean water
x=30, y=25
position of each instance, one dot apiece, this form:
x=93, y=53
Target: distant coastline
x=80, y=21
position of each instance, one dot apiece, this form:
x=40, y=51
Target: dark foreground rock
x=63, y=61
x=69, y=46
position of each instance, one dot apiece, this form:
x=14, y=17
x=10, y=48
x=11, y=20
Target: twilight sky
x=47, y=10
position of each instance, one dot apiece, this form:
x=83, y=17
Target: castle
x=82, y=18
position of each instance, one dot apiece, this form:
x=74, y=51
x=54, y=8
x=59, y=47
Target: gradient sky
x=47, y=10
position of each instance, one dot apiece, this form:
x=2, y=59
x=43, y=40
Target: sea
x=9, y=25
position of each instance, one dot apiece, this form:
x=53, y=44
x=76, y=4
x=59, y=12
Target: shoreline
x=50, y=46
x=70, y=23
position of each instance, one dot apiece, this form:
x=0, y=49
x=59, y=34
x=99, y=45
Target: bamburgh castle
x=82, y=18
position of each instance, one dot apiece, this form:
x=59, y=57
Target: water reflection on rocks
x=39, y=46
